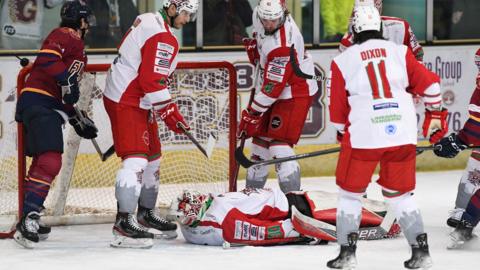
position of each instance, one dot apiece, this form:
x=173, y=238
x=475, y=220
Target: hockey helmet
x=377, y=3
x=73, y=11
x=366, y=18
x=190, y=207
x=188, y=6
x=272, y=14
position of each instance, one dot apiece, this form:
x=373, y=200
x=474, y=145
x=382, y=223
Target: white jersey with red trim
x=147, y=56
x=278, y=80
x=234, y=215
x=369, y=98
x=394, y=29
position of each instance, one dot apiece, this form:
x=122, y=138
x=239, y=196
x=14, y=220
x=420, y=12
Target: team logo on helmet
x=366, y=18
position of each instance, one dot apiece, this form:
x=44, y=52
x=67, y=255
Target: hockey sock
x=288, y=173
x=469, y=183
x=129, y=183
x=407, y=214
x=42, y=171
x=349, y=213
x=472, y=212
x=257, y=175
x=151, y=181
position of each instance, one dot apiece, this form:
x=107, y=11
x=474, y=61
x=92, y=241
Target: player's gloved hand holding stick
x=70, y=89
x=449, y=147
x=435, y=124
x=171, y=116
x=249, y=123
x=83, y=125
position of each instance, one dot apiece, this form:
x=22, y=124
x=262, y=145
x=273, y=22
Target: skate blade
x=165, y=235
x=18, y=237
x=127, y=242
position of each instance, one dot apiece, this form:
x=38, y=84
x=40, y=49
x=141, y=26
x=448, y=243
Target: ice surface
x=87, y=247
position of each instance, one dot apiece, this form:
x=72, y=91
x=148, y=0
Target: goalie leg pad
x=288, y=173
x=151, y=181
x=348, y=214
x=129, y=183
x=469, y=183
x=41, y=174
x=408, y=215
x=257, y=175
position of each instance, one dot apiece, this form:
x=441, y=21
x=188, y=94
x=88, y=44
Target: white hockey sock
x=257, y=175
x=408, y=216
x=349, y=214
x=288, y=173
x=151, y=181
x=129, y=183
x=469, y=183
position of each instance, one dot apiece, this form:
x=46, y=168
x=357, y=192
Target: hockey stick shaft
x=246, y=163
x=190, y=136
x=94, y=141
x=297, y=70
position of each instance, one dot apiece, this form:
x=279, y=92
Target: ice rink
x=87, y=247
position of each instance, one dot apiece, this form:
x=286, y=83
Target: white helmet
x=366, y=18
x=189, y=6
x=271, y=9
x=377, y=3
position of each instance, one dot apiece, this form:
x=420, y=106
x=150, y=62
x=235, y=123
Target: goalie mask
x=191, y=206
x=185, y=7
x=366, y=18
x=272, y=15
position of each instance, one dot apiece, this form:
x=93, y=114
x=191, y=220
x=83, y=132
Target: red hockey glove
x=249, y=124
x=435, y=125
x=172, y=118
x=251, y=48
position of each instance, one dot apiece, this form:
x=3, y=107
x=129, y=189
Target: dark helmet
x=73, y=11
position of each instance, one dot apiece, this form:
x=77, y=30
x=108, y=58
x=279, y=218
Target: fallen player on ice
x=261, y=217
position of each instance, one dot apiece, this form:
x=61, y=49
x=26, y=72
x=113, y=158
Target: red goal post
x=207, y=96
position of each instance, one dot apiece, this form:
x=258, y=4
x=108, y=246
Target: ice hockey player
x=277, y=114
x=394, y=29
x=467, y=204
x=371, y=106
x=136, y=93
x=43, y=107
x=261, y=217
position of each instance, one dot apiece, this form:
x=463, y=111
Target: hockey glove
x=249, y=123
x=250, y=45
x=435, y=124
x=83, y=125
x=70, y=90
x=449, y=147
x=172, y=117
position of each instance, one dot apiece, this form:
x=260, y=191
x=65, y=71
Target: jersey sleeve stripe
x=36, y=90
x=47, y=51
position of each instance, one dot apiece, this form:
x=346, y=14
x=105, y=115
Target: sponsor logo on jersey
x=274, y=232
x=281, y=61
x=386, y=105
x=390, y=129
x=9, y=30
x=165, y=47
x=268, y=87
x=276, y=122
x=253, y=232
x=261, y=233
x=386, y=118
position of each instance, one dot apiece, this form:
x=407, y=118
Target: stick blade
x=242, y=159
x=212, y=140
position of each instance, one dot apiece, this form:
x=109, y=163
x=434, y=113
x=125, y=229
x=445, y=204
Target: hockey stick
x=321, y=230
x=194, y=141
x=103, y=156
x=246, y=163
x=298, y=71
x=239, y=149
x=421, y=149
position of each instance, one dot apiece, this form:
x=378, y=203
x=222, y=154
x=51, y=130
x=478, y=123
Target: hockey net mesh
x=204, y=97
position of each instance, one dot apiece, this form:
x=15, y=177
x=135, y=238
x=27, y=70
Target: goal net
x=83, y=192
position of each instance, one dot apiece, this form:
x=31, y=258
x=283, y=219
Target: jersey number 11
x=377, y=75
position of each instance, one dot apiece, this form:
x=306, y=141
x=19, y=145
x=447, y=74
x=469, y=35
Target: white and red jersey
x=279, y=80
x=394, y=29
x=147, y=56
x=251, y=216
x=368, y=92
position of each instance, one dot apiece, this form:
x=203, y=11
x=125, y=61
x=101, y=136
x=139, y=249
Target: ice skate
x=27, y=230
x=461, y=235
x=346, y=259
x=43, y=229
x=128, y=234
x=147, y=218
x=420, y=255
x=454, y=217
